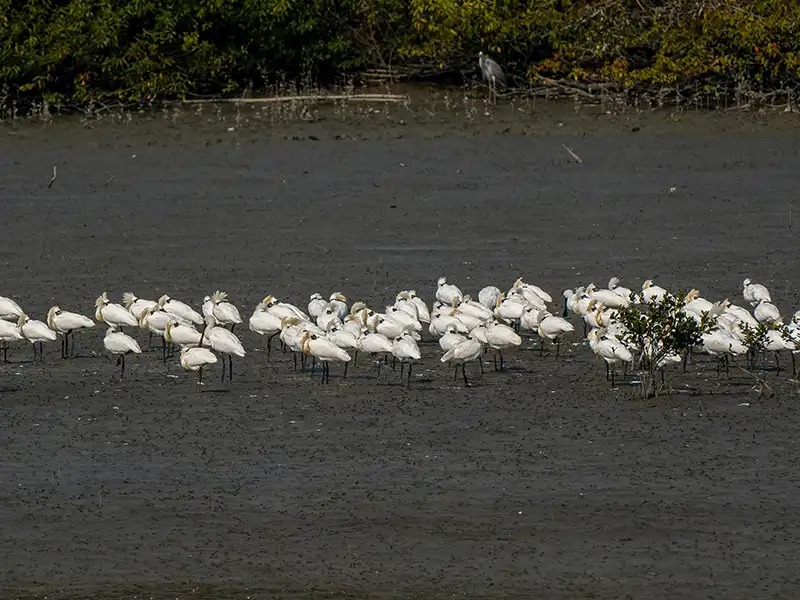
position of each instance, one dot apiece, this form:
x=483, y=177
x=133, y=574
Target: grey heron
x=492, y=74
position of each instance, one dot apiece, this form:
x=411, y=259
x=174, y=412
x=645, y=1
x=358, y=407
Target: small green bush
x=78, y=51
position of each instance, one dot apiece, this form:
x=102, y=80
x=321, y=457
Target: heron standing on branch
x=492, y=74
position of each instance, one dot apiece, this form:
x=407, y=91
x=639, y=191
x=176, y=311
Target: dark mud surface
x=537, y=482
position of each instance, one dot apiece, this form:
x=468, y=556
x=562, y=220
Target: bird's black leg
x=501, y=359
x=122, y=369
x=455, y=374
x=347, y=364
x=494, y=356
x=541, y=347
x=464, y=373
x=355, y=359
x=558, y=346
x=230, y=367
x=777, y=364
x=402, y=370
x=223, y=368
x=480, y=362
x=608, y=371
x=613, y=383
x=269, y=347
x=409, y=374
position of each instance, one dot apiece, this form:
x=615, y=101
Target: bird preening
x=335, y=333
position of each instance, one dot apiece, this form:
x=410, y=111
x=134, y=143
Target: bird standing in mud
x=492, y=75
x=64, y=323
x=120, y=344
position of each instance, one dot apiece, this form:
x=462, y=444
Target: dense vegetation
x=75, y=51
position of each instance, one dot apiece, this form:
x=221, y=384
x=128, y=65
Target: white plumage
x=9, y=310
x=468, y=350
x=36, y=332
x=323, y=350
x=223, y=341
x=65, y=322
x=136, y=305
x=112, y=314
x=224, y=311
x=180, y=309
x=196, y=359
x=184, y=336
x=446, y=293
x=120, y=344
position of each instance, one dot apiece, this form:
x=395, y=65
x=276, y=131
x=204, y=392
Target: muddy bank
x=535, y=482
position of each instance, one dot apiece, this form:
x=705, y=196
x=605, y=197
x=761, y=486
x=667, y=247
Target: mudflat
x=536, y=482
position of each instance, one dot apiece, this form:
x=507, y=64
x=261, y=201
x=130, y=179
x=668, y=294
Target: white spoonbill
x=120, y=344
x=552, y=328
x=112, y=314
x=184, y=336
x=422, y=308
x=223, y=341
x=521, y=285
x=722, y=344
x=450, y=339
x=488, y=296
x=316, y=305
x=9, y=332
x=407, y=321
x=372, y=342
x=291, y=336
x=404, y=302
x=652, y=293
x=446, y=292
x=475, y=309
x=9, y=310
x=155, y=320
x=329, y=315
x=344, y=339
x=611, y=350
x=196, y=359
x=465, y=351
x=224, y=311
x=501, y=337
x=767, y=312
x=754, y=293
x=339, y=301
x=608, y=297
x=325, y=351
x=777, y=343
x=65, y=323
x=405, y=349
x=614, y=286
x=266, y=323
x=136, y=305
x=180, y=309
x=36, y=332
x=283, y=309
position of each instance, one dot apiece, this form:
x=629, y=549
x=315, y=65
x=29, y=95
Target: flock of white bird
x=329, y=331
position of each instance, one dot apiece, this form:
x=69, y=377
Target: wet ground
x=537, y=482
